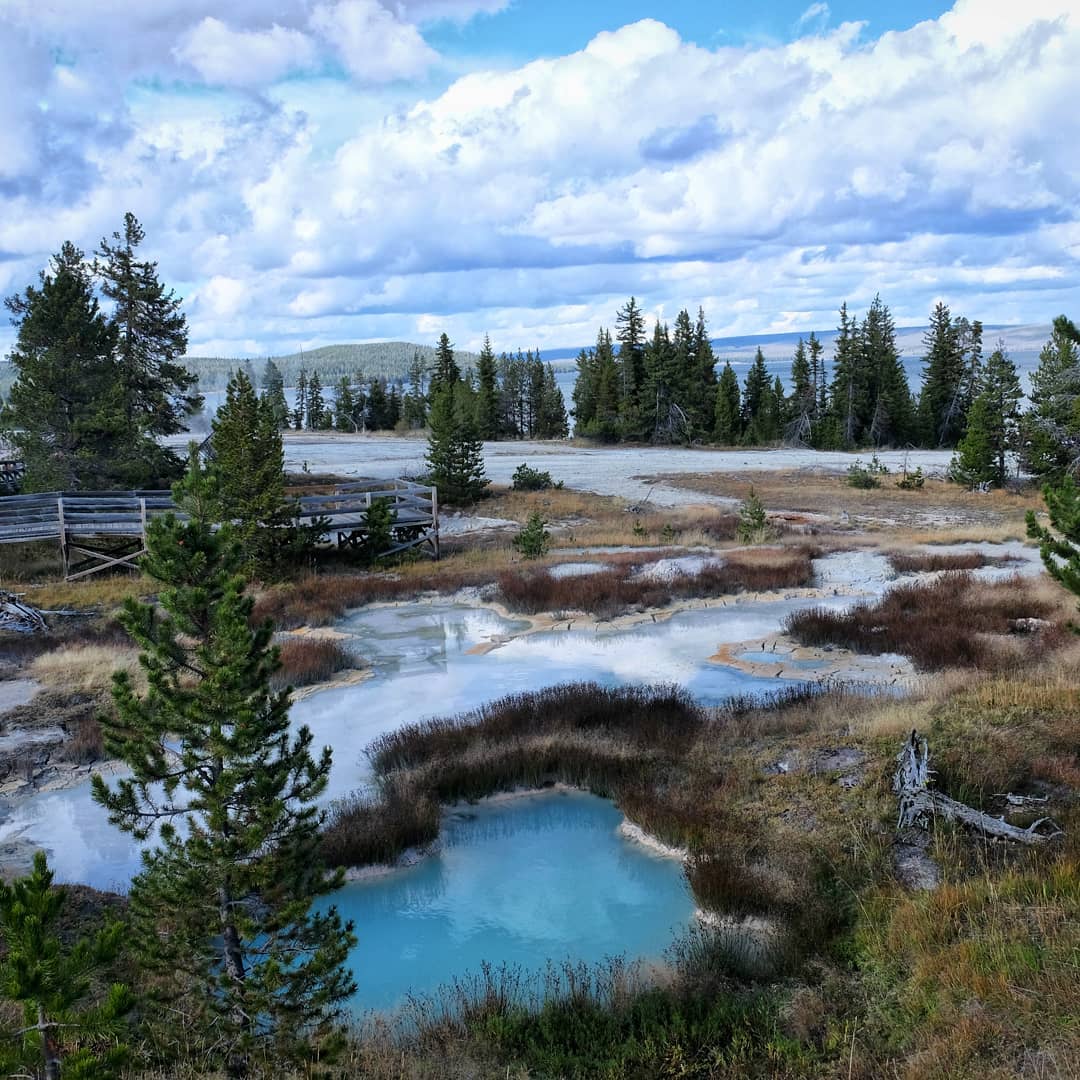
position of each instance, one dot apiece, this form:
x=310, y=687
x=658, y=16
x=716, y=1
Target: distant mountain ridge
x=377, y=359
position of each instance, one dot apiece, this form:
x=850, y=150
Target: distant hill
x=380, y=359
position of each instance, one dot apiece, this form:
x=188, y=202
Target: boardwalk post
x=63, y=534
x=435, y=517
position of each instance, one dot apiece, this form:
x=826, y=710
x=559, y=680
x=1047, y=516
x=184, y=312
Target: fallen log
x=20, y=617
x=920, y=803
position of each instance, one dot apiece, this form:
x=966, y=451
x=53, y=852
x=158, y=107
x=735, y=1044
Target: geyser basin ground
x=437, y=660
x=519, y=881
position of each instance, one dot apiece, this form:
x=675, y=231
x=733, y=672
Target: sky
x=318, y=171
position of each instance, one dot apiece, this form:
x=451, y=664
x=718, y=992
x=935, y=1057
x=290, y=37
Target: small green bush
x=754, y=527
x=526, y=478
x=866, y=476
x=911, y=481
x=533, y=541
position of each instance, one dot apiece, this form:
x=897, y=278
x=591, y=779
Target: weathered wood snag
x=919, y=803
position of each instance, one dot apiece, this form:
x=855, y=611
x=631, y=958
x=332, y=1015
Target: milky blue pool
x=519, y=882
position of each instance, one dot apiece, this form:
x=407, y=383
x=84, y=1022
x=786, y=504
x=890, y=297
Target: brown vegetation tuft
x=613, y=592
x=928, y=562
x=307, y=660
x=953, y=621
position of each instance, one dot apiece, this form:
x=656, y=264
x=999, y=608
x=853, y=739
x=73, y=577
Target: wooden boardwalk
x=80, y=521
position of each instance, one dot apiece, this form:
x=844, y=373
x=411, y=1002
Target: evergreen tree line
x=512, y=397
x=96, y=389
x=664, y=389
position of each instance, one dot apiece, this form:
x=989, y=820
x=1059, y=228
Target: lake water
x=521, y=882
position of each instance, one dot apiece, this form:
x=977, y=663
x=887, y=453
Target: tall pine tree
x=487, y=397
x=1050, y=443
x=249, y=465
x=152, y=335
x=727, y=423
x=273, y=393
x=73, y=1016
x=455, y=453
x=67, y=405
x=221, y=910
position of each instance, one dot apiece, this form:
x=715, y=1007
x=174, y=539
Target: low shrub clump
x=621, y=589
x=639, y=715
x=907, y=562
x=308, y=660
x=866, y=475
x=534, y=540
x=953, y=621
x=526, y=478
x=321, y=599
x=362, y=830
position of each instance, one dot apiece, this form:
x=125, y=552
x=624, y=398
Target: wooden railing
x=71, y=517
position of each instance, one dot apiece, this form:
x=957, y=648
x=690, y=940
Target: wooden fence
x=80, y=521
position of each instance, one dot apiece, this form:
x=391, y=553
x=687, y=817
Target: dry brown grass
x=98, y=593
x=87, y=668
x=309, y=660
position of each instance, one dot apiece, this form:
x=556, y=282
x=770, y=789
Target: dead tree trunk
x=919, y=803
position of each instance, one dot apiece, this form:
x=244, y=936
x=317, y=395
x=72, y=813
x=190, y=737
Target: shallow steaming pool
x=432, y=660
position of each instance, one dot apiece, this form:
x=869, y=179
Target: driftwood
x=919, y=803
x=20, y=617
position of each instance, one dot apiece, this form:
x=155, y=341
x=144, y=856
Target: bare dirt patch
x=806, y=491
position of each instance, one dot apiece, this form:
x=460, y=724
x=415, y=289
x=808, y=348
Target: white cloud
x=815, y=17
x=766, y=183
x=375, y=45
x=228, y=57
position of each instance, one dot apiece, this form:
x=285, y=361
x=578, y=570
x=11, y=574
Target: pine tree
x=584, y=393
x=487, y=417
x=152, y=337
x=414, y=406
x=631, y=368
x=1059, y=548
x=446, y=373
x=554, y=423
x=889, y=416
x=300, y=412
x=605, y=421
x=393, y=407
x=1050, y=442
x=249, y=468
x=455, y=453
x=973, y=463
x=941, y=416
x=273, y=393
x=702, y=401
x=344, y=405
x=316, y=404
x=67, y=404
x=73, y=1020
x=818, y=377
x=222, y=907
x=727, y=424
x=848, y=389
x=376, y=412
x=803, y=401
x=757, y=392
x=533, y=540
x=993, y=426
